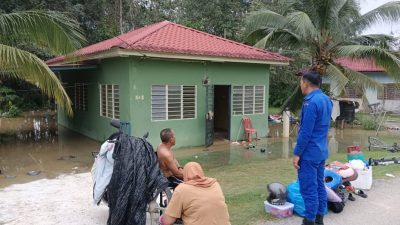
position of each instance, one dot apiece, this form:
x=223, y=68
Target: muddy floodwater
x=35, y=144
x=34, y=147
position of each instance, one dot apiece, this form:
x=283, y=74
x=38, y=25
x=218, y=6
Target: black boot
x=307, y=222
x=319, y=220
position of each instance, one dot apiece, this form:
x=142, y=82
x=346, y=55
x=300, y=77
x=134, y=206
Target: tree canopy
x=325, y=31
x=52, y=30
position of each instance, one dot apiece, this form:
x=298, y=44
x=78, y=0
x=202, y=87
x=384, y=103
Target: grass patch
x=274, y=110
x=244, y=183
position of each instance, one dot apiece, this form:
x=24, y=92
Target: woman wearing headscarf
x=198, y=200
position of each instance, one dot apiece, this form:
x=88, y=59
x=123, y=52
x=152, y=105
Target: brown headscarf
x=193, y=174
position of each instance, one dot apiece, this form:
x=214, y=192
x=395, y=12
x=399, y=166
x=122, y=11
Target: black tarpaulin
x=135, y=181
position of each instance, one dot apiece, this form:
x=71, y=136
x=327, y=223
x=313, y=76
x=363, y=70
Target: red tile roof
x=360, y=65
x=167, y=37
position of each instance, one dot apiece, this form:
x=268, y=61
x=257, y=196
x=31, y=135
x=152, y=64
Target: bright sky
x=367, y=5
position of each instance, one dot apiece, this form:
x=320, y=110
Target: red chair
x=248, y=129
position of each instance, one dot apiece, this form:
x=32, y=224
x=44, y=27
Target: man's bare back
x=168, y=164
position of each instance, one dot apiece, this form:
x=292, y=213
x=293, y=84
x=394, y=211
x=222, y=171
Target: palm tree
x=49, y=29
x=325, y=30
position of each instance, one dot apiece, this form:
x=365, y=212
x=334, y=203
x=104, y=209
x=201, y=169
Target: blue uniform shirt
x=312, y=143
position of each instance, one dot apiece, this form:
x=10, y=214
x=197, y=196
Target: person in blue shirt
x=311, y=149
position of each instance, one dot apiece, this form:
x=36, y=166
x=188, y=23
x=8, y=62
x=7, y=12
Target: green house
x=168, y=75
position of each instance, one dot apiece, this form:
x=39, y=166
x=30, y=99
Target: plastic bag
x=295, y=197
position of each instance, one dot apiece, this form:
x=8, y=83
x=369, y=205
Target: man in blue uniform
x=311, y=149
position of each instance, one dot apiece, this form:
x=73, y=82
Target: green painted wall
x=135, y=77
x=90, y=123
x=191, y=132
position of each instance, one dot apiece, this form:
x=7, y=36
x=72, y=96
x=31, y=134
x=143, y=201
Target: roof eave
x=117, y=52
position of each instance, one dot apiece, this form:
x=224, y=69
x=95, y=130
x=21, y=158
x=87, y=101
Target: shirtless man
x=168, y=164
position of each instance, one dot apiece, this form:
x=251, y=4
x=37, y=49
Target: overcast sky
x=367, y=5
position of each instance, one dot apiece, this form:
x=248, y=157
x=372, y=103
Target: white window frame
x=243, y=91
x=166, y=103
x=115, y=114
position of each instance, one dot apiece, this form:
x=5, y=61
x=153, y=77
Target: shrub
x=9, y=102
x=367, y=122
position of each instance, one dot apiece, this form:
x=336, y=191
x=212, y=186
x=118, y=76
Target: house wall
x=191, y=132
x=372, y=95
x=90, y=123
x=135, y=77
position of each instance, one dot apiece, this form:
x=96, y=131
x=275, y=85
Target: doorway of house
x=222, y=112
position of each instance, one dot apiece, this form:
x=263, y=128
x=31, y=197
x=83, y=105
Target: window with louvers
x=77, y=93
x=81, y=98
x=109, y=100
x=173, y=102
x=237, y=100
x=351, y=91
x=389, y=92
x=248, y=99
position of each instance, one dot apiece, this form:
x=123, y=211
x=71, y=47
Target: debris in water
x=75, y=168
x=34, y=172
x=66, y=157
x=10, y=176
x=262, y=150
x=252, y=146
x=196, y=157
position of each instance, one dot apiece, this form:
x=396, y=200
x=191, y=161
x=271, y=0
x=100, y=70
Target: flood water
x=36, y=143
x=275, y=147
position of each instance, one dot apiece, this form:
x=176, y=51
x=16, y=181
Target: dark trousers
x=312, y=187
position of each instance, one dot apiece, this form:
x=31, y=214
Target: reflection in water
x=332, y=143
x=37, y=144
x=33, y=126
x=222, y=153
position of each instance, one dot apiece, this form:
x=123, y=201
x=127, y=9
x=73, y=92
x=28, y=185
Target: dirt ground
x=68, y=200
x=380, y=208
x=65, y=200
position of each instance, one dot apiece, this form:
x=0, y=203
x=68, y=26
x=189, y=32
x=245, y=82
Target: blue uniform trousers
x=312, y=187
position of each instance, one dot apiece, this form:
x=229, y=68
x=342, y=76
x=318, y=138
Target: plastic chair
x=248, y=129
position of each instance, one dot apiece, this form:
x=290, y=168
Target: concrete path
x=380, y=208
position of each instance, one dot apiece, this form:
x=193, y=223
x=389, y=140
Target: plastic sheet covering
x=136, y=180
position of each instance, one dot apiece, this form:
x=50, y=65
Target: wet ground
x=35, y=144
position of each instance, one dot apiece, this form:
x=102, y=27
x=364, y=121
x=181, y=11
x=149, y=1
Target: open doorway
x=221, y=112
